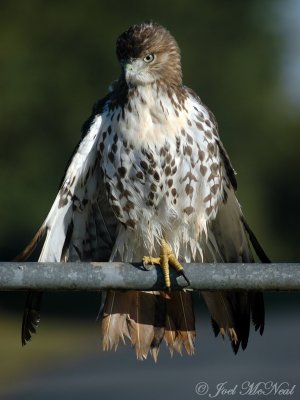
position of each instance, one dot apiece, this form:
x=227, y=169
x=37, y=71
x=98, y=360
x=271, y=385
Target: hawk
x=151, y=180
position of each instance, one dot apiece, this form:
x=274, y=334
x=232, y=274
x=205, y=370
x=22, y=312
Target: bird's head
x=148, y=53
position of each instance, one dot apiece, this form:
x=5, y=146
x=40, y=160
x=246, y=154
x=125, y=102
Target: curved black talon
x=146, y=267
x=182, y=273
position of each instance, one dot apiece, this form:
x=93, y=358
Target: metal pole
x=98, y=276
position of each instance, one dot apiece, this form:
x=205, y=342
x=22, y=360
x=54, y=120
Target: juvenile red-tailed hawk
x=150, y=180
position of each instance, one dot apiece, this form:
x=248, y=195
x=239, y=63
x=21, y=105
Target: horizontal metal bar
x=98, y=276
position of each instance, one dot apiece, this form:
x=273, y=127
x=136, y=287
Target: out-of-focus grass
x=55, y=339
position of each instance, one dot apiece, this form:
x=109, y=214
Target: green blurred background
x=58, y=57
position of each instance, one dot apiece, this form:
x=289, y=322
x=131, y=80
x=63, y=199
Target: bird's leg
x=166, y=258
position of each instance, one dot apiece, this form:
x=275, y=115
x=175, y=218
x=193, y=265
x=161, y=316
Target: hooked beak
x=133, y=70
x=129, y=69
x=127, y=65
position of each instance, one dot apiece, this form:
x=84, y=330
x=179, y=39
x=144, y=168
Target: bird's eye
x=149, y=58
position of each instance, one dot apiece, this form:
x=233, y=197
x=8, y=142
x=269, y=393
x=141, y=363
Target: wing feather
x=231, y=311
x=80, y=224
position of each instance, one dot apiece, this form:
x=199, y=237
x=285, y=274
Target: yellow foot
x=167, y=258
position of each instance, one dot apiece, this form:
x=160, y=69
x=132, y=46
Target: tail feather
x=146, y=318
x=180, y=322
x=159, y=325
x=114, y=326
x=258, y=311
x=220, y=306
x=170, y=334
x=31, y=315
x=241, y=311
x=138, y=315
x=215, y=327
x=141, y=322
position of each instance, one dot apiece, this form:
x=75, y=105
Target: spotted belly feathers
x=162, y=169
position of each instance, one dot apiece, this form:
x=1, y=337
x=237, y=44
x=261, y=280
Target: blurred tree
x=57, y=58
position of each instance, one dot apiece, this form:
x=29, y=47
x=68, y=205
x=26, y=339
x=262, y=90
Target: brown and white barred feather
x=80, y=225
x=147, y=318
